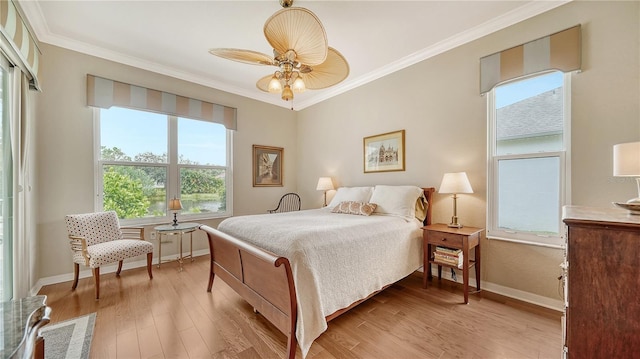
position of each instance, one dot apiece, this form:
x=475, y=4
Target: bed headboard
x=428, y=194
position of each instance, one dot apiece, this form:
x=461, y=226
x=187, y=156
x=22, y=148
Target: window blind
x=559, y=51
x=104, y=93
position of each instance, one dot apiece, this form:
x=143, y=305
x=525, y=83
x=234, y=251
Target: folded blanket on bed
x=336, y=259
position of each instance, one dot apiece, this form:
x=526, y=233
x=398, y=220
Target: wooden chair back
x=289, y=202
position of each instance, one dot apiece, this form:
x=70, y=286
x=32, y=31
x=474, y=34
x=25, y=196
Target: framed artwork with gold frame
x=267, y=166
x=384, y=153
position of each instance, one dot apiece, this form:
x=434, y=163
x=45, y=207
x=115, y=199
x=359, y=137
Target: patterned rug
x=70, y=339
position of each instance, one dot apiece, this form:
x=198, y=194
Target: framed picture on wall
x=384, y=153
x=267, y=166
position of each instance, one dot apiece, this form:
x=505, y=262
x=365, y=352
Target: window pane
x=201, y=142
x=529, y=115
x=203, y=190
x=130, y=135
x=529, y=195
x=135, y=191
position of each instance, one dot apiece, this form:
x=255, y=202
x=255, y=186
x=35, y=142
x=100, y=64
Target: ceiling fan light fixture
x=298, y=85
x=300, y=46
x=287, y=94
x=274, y=85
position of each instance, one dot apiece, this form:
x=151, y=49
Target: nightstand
x=465, y=239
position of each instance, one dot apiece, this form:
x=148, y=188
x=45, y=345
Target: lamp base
x=454, y=222
x=175, y=219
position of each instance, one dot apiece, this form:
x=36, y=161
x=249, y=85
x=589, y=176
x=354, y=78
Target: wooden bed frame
x=265, y=280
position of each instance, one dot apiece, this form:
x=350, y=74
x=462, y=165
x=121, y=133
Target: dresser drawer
x=444, y=239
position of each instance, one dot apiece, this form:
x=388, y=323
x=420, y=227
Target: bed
x=302, y=269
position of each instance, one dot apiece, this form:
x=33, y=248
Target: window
x=144, y=159
x=528, y=171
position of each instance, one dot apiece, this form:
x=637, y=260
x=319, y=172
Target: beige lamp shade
x=626, y=159
x=455, y=183
x=175, y=205
x=626, y=163
x=324, y=184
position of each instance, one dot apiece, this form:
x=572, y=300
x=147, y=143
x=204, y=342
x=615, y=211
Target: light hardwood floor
x=173, y=316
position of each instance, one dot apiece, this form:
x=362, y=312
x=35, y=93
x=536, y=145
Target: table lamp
x=175, y=205
x=626, y=163
x=324, y=184
x=455, y=183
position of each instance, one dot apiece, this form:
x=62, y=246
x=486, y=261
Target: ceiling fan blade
x=263, y=83
x=332, y=71
x=300, y=30
x=245, y=56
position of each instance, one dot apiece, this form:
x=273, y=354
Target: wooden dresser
x=602, y=283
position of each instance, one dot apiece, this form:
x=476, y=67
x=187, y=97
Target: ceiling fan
x=300, y=51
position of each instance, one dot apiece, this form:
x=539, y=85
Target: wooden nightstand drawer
x=445, y=239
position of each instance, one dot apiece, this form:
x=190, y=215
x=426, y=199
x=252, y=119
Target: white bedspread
x=336, y=259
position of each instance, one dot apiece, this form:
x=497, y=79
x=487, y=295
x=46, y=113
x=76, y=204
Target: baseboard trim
x=111, y=268
x=527, y=297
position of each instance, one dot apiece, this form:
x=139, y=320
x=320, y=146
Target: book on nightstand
x=448, y=256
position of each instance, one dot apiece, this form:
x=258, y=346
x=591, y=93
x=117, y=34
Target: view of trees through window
x=138, y=176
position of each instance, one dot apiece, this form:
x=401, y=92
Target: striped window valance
x=18, y=43
x=104, y=93
x=559, y=51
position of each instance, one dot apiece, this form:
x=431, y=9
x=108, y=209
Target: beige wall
x=438, y=104
x=64, y=148
x=435, y=101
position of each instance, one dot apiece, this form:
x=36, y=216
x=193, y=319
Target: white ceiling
x=173, y=37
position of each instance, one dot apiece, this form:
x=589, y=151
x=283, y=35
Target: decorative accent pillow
x=396, y=200
x=421, y=208
x=351, y=207
x=355, y=194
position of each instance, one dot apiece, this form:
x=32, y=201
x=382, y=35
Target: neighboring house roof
x=535, y=116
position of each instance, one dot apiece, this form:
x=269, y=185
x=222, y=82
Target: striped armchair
x=97, y=239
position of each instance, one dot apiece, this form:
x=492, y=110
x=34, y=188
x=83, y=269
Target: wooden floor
x=173, y=316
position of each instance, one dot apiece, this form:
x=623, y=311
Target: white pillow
x=396, y=200
x=354, y=194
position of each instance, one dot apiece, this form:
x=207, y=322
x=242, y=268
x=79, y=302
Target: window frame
x=564, y=155
x=172, y=185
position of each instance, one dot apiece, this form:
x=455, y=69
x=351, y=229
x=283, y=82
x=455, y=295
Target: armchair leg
x=119, y=269
x=149, y=264
x=76, y=273
x=96, y=277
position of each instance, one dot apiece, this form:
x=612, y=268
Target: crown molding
x=38, y=22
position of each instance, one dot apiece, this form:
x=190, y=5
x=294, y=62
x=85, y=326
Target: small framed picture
x=384, y=153
x=267, y=166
